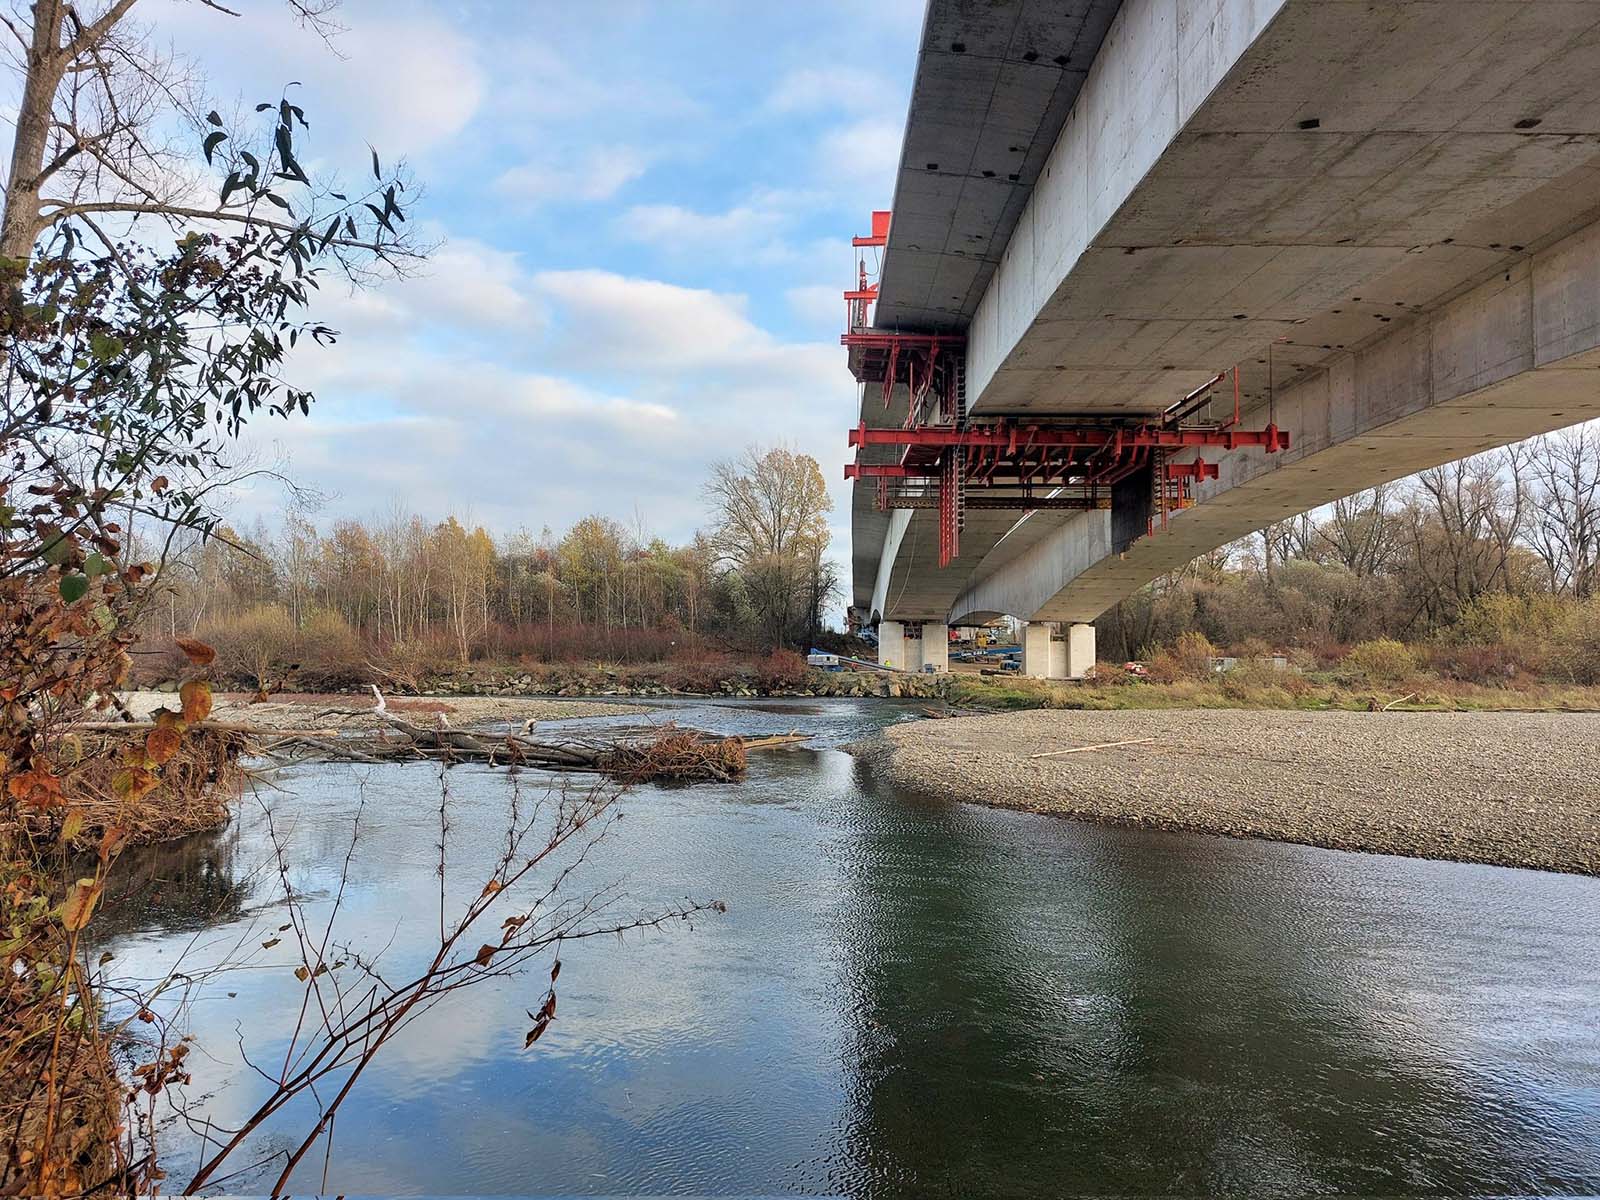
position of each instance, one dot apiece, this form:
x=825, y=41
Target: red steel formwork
x=947, y=465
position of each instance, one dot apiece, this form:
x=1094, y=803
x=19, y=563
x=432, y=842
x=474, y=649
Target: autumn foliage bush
x=255, y=647
x=1474, y=662
x=700, y=671
x=1382, y=660
x=1189, y=658
x=1577, y=658
x=330, y=652
x=781, y=670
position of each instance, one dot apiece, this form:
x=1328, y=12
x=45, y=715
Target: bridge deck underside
x=1277, y=185
x=994, y=83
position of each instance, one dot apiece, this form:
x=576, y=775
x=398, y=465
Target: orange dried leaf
x=79, y=906
x=485, y=953
x=196, y=697
x=200, y=654
x=36, y=787
x=112, y=841
x=162, y=743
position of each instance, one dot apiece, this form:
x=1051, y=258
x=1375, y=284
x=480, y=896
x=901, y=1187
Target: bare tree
x=1461, y=534
x=1284, y=540
x=1563, y=470
x=1359, y=529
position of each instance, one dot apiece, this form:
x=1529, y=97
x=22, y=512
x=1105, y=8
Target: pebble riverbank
x=1513, y=789
x=356, y=711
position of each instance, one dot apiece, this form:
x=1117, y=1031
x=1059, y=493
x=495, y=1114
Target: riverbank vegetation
x=403, y=599
x=1486, y=569
x=1262, y=685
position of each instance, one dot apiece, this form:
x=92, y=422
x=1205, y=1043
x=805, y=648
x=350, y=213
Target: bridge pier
x=914, y=645
x=1045, y=656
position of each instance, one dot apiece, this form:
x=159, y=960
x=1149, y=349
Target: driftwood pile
x=668, y=753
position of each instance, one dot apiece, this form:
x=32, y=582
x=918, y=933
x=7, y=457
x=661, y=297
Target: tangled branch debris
x=669, y=753
x=198, y=783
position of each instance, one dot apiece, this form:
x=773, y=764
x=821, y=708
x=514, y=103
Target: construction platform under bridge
x=1159, y=275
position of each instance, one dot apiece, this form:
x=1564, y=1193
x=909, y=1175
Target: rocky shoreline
x=862, y=684
x=1509, y=789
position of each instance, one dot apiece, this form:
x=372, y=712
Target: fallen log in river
x=667, y=752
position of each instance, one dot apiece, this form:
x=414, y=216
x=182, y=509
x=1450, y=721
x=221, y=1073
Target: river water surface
x=905, y=998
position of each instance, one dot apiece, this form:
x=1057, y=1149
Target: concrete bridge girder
x=1368, y=187
x=1516, y=356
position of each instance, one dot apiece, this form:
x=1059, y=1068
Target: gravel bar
x=1513, y=789
x=299, y=711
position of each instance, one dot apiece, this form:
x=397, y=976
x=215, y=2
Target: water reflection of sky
x=909, y=997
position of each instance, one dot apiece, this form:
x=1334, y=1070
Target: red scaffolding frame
x=947, y=465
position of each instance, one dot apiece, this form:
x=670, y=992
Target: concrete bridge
x=1138, y=245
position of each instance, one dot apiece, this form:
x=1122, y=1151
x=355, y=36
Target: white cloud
x=765, y=230
x=862, y=155
x=404, y=81
x=673, y=225
x=541, y=86
x=465, y=285
x=818, y=304
x=415, y=80
x=754, y=230
x=618, y=323
x=472, y=283
x=592, y=174
x=812, y=89
x=639, y=386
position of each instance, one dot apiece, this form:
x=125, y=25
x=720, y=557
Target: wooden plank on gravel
x=1096, y=746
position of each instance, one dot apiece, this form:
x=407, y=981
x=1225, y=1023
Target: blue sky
x=644, y=212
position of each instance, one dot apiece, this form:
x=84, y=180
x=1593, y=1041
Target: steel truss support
x=950, y=487
x=1012, y=438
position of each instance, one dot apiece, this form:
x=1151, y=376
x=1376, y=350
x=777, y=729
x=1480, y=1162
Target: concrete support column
x=935, y=646
x=892, y=645
x=1047, y=656
x=1079, y=648
x=1036, y=646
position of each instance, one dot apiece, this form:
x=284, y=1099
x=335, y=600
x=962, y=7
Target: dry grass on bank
x=1263, y=688
x=85, y=1143
x=197, y=787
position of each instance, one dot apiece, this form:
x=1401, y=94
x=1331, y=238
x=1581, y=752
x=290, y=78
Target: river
x=905, y=997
